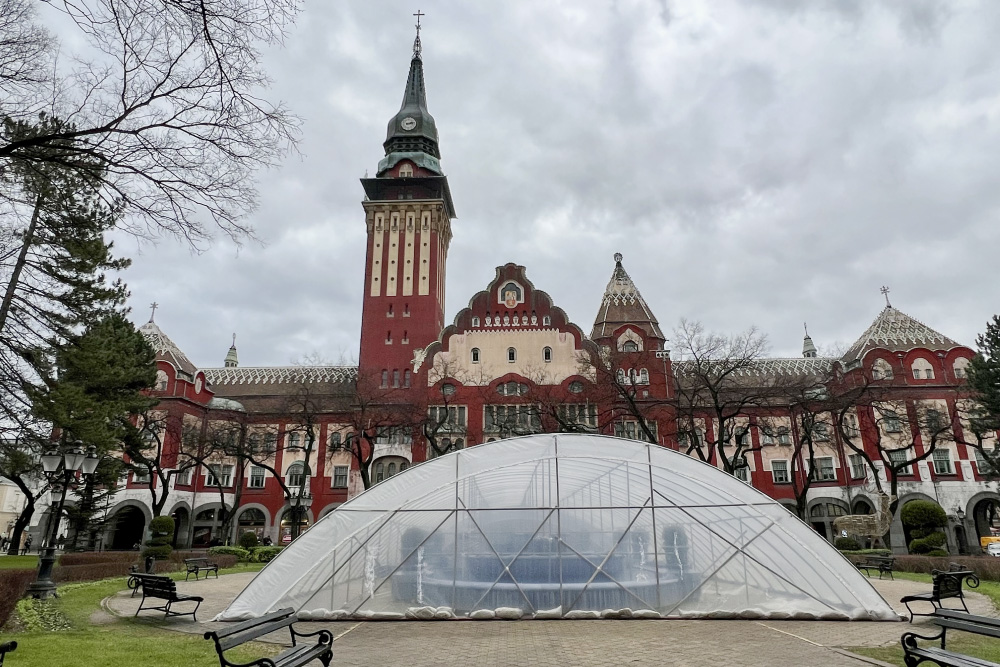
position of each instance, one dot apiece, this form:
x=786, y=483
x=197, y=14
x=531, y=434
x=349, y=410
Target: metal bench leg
x=326, y=658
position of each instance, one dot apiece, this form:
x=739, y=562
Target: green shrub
x=933, y=542
x=248, y=540
x=847, y=544
x=265, y=554
x=161, y=552
x=241, y=554
x=868, y=552
x=13, y=584
x=923, y=516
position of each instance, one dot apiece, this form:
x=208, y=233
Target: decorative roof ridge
x=893, y=328
x=163, y=346
x=280, y=374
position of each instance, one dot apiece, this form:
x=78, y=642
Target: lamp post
x=71, y=462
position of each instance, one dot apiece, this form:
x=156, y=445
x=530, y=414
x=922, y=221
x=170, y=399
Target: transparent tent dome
x=561, y=526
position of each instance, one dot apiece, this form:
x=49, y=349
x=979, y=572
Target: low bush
x=222, y=560
x=91, y=557
x=867, y=552
x=847, y=544
x=264, y=554
x=13, y=584
x=240, y=553
x=248, y=540
x=988, y=569
x=938, y=553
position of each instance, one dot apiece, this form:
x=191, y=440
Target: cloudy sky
x=757, y=163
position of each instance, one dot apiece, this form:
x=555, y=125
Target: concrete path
x=583, y=643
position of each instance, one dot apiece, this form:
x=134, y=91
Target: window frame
x=784, y=472
x=340, y=473
x=256, y=473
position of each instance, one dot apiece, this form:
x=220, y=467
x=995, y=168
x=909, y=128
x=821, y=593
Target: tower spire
x=232, y=360
x=416, y=41
x=808, y=348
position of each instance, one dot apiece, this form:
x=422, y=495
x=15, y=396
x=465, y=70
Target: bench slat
x=255, y=632
x=945, y=657
x=303, y=658
x=243, y=625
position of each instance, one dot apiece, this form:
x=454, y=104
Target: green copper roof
x=412, y=129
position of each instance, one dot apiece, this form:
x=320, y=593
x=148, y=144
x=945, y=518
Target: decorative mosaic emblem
x=511, y=295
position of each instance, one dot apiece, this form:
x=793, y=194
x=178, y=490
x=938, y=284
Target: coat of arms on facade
x=511, y=295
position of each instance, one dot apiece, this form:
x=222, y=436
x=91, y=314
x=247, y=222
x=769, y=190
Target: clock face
x=408, y=124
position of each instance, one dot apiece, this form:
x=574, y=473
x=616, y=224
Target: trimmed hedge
x=13, y=584
x=248, y=540
x=847, y=544
x=91, y=557
x=264, y=554
x=240, y=553
x=987, y=568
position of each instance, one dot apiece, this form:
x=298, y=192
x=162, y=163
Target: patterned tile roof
x=165, y=348
x=896, y=331
x=264, y=375
x=622, y=304
x=771, y=367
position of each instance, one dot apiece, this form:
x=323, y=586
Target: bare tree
x=165, y=96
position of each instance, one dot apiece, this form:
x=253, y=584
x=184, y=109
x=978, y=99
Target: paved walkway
x=583, y=643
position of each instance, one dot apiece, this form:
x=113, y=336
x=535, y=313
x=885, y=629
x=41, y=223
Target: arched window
x=395, y=378
x=922, y=369
x=335, y=440
x=546, y=321
x=960, y=367
x=407, y=376
x=547, y=354
x=385, y=378
x=881, y=370
x=643, y=376
x=379, y=472
x=511, y=355
x=630, y=346
x=296, y=474
x=293, y=440
x=621, y=376
x=475, y=355
x=403, y=466
x=475, y=321
x=390, y=470
x=161, y=381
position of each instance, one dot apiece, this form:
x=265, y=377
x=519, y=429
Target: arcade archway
x=129, y=527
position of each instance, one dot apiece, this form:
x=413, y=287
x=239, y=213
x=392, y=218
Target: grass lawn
x=123, y=641
x=960, y=642
x=18, y=562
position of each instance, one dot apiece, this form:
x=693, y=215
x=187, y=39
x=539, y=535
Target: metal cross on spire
x=416, y=41
x=153, y=314
x=885, y=293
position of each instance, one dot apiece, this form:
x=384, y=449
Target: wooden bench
x=165, y=588
x=6, y=648
x=946, y=585
x=298, y=654
x=198, y=565
x=881, y=564
x=914, y=654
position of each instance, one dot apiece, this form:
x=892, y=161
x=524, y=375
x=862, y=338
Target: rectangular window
x=511, y=419
x=632, y=431
x=783, y=436
x=898, y=457
x=766, y=437
x=448, y=417
x=140, y=477
x=219, y=475
x=933, y=421
x=858, y=466
x=890, y=421
x=942, y=462
x=982, y=464
x=256, y=480
x=779, y=472
x=742, y=473
x=340, y=477
x=823, y=469
x=183, y=477
x=821, y=432
x=582, y=415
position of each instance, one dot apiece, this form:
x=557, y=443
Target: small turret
x=232, y=361
x=808, y=349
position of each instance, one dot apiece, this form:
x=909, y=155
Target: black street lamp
x=72, y=462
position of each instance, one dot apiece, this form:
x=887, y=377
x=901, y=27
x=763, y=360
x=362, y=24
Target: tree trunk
x=15, y=276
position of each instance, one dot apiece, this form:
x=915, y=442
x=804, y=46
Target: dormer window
x=630, y=346
x=922, y=370
x=161, y=381
x=960, y=367
x=406, y=170
x=881, y=370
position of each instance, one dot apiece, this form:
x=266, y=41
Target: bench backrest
x=156, y=586
x=192, y=561
x=949, y=584
x=252, y=629
x=957, y=620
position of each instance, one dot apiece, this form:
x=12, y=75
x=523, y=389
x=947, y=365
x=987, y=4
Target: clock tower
x=408, y=212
